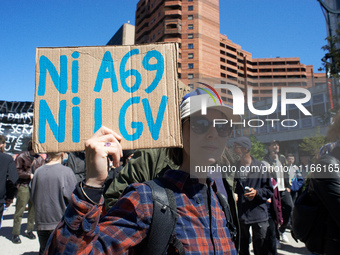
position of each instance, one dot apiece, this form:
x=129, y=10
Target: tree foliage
x=331, y=61
x=257, y=148
x=311, y=145
x=331, y=64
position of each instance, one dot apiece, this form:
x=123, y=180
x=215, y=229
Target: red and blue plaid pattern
x=81, y=230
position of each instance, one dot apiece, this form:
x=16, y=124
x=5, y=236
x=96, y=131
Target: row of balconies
x=170, y=8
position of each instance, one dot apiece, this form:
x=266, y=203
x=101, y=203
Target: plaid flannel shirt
x=82, y=231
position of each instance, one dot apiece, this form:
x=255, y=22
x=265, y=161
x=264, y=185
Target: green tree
x=311, y=145
x=331, y=64
x=331, y=61
x=257, y=148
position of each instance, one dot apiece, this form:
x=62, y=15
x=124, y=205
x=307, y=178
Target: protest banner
x=16, y=124
x=130, y=89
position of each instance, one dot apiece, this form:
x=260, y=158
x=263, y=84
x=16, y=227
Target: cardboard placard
x=131, y=89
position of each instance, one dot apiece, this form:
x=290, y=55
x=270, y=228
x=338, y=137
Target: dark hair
x=52, y=155
x=2, y=139
x=290, y=155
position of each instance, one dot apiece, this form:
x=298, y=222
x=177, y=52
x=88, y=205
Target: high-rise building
x=124, y=36
x=207, y=54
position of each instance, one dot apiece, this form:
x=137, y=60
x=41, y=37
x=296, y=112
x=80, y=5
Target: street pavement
x=31, y=247
x=27, y=246
x=290, y=248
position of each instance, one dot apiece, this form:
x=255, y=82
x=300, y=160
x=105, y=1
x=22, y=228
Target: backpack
x=161, y=232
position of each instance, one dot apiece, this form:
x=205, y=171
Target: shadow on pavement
x=7, y=231
x=11, y=216
x=293, y=250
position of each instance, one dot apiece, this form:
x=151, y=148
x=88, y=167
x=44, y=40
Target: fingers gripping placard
x=130, y=89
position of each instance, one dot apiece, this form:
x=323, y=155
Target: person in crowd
x=294, y=175
x=26, y=163
x=278, y=163
x=76, y=161
x=274, y=220
x=51, y=189
x=201, y=226
x=324, y=187
x=8, y=177
x=148, y=164
x=333, y=134
x=253, y=189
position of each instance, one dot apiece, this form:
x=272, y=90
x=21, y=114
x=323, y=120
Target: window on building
x=224, y=99
x=223, y=91
x=190, y=36
x=190, y=46
x=190, y=8
x=190, y=76
x=190, y=66
x=179, y=76
x=179, y=65
x=190, y=17
x=190, y=26
x=190, y=55
x=189, y=0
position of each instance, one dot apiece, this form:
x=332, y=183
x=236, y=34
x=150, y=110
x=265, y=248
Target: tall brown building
x=205, y=53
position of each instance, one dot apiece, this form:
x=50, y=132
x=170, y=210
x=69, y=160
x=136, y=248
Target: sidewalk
x=27, y=246
x=290, y=248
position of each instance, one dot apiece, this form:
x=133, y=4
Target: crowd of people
x=120, y=202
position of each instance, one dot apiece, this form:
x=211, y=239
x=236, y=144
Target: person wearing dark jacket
x=8, y=177
x=26, y=163
x=324, y=187
x=253, y=188
x=278, y=166
x=76, y=161
x=201, y=226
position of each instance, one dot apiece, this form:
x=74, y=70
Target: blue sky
x=265, y=28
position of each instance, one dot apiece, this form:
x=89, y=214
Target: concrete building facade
x=124, y=36
x=207, y=54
